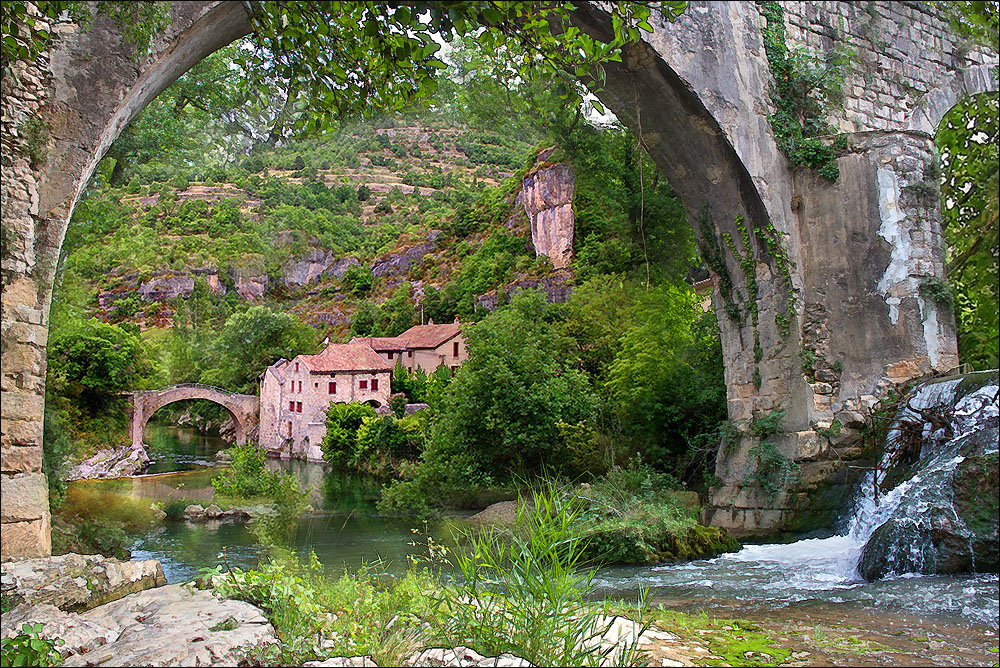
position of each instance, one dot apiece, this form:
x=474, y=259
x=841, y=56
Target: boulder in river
x=943, y=516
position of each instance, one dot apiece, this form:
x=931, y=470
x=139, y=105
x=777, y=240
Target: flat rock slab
x=175, y=625
x=78, y=581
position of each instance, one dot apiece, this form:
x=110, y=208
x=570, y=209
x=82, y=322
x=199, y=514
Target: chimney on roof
x=430, y=321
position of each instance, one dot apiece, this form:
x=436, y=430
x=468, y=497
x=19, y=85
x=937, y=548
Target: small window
x=300, y=386
x=333, y=387
x=296, y=367
x=409, y=353
x=374, y=384
x=298, y=407
x=454, y=350
x=291, y=406
x=289, y=429
x=390, y=354
x=363, y=384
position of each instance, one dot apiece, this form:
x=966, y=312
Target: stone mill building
x=294, y=394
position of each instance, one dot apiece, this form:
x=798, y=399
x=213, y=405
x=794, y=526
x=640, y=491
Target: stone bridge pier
x=817, y=282
x=244, y=408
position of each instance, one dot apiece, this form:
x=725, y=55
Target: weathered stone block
x=25, y=539
x=20, y=459
x=24, y=497
x=23, y=405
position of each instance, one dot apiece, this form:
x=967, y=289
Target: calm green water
x=344, y=530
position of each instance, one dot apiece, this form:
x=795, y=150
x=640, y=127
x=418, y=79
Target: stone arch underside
x=696, y=90
x=243, y=408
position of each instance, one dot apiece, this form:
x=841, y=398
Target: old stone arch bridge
x=244, y=408
x=697, y=91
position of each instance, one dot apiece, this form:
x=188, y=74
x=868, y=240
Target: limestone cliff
x=548, y=201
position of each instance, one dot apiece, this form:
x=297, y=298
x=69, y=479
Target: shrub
x=342, y=424
x=247, y=476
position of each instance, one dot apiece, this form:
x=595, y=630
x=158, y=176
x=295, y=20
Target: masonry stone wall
x=59, y=115
x=698, y=92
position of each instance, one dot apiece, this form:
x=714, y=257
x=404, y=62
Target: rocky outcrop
x=251, y=282
x=463, y=656
x=548, y=202
x=398, y=263
x=307, y=269
x=76, y=582
x=120, y=462
x=941, y=514
x=167, y=626
x=167, y=287
x=340, y=267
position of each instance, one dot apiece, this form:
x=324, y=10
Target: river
x=816, y=574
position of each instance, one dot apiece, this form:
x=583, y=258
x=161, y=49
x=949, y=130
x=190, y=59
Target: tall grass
x=522, y=590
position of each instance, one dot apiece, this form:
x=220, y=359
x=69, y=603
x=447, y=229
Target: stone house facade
x=294, y=395
x=425, y=347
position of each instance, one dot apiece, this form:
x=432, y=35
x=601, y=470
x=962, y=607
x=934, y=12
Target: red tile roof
x=346, y=357
x=381, y=343
x=418, y=336
x=429, y=336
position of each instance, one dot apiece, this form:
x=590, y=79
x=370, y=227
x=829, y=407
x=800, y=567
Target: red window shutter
x=333, y=387
x=363, y=384
x=289, y=428
x=298, y=407
x=296, y=367
x=390, y=355
x=291, y=407
x=374, y=384
x=454, y=351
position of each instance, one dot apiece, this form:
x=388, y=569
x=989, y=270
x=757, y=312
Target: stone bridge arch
x=244, y=408
x=696, y=91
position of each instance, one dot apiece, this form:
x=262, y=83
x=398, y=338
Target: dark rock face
x=946, y=517
x=398, y=263
x=556, y=286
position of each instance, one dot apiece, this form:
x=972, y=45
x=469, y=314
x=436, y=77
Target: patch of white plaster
x=892, y=230
x=928, y=315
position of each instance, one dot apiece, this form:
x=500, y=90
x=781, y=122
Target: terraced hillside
x=317, y=228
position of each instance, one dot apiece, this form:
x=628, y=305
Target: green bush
x=247, y=476
x=342, y=424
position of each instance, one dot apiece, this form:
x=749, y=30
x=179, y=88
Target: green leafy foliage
x=522, y=590
x=500, y=414
x=342, y=424
x=358, y=613
x=967, y=139
x=772, y=470
x=805, y=86
x=247, y=476
x=254, y=339
x=30, y=648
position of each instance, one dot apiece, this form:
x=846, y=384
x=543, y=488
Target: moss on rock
x=638, y=545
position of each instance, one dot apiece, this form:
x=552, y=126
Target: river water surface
x=816, y=575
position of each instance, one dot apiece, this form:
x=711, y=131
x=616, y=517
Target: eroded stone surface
x=125, y=460
x=78, y=581
x=175, y=625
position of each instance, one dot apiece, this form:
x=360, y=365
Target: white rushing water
x=826, y=569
